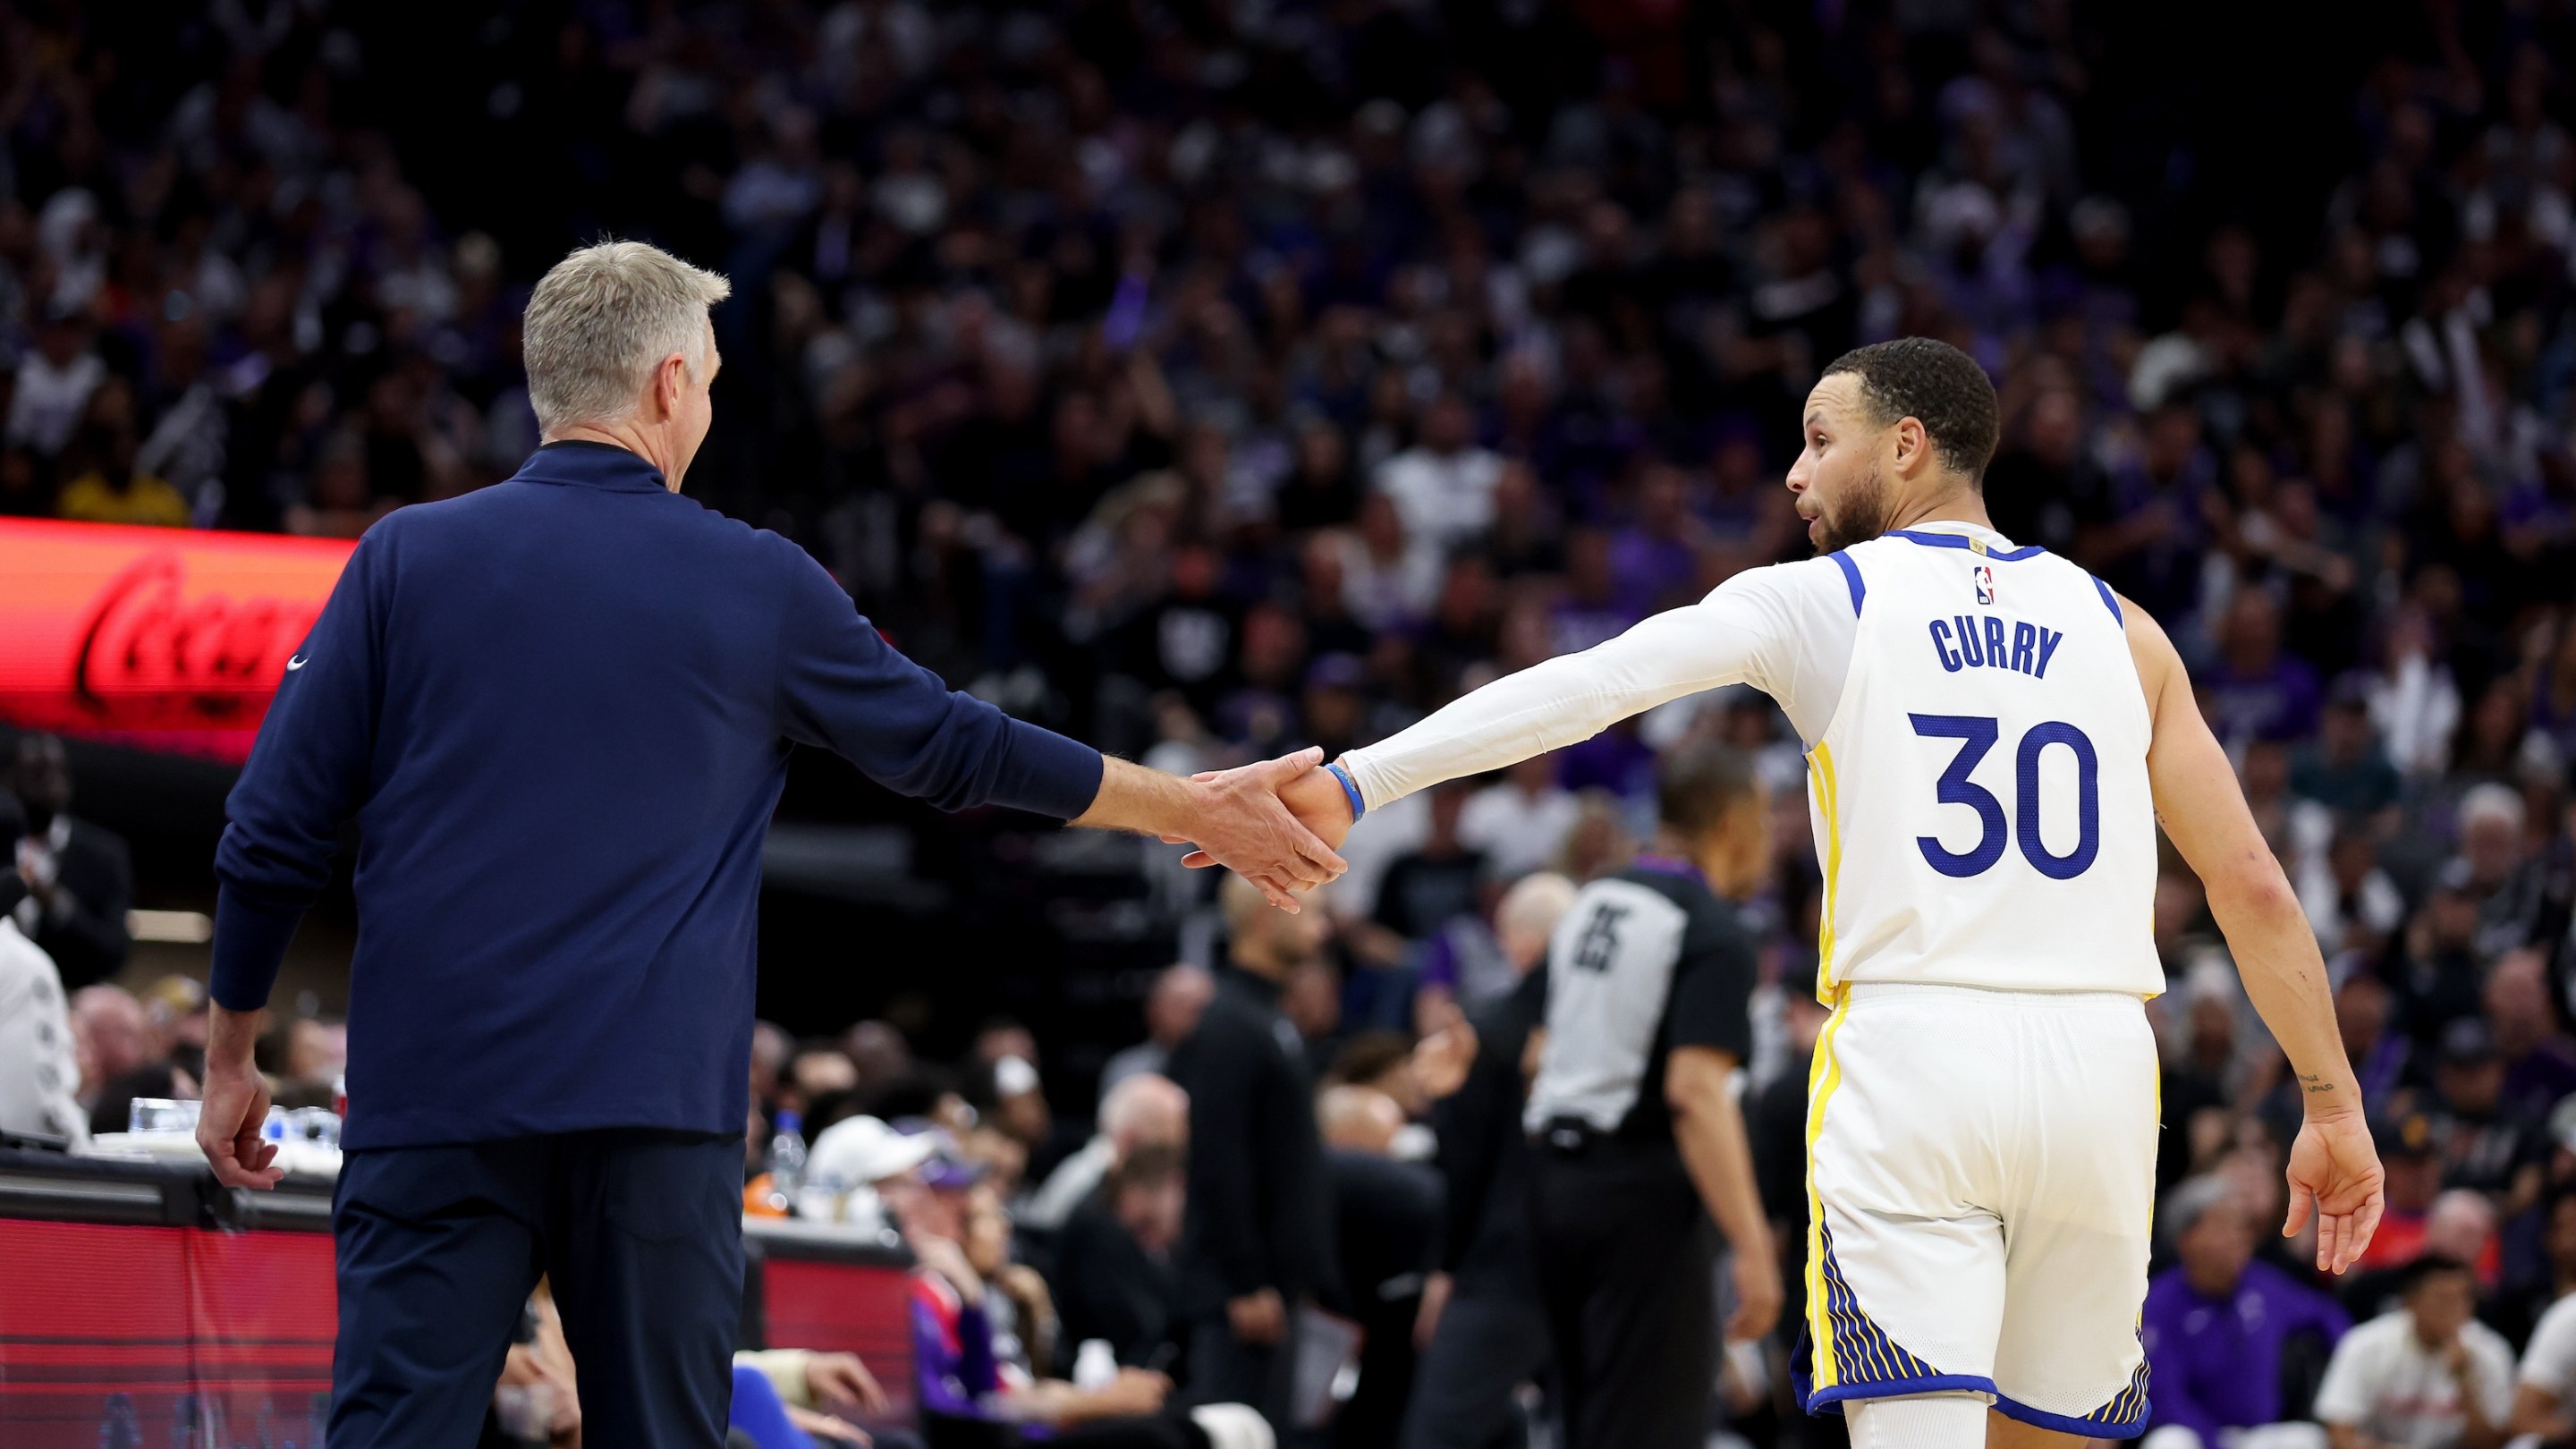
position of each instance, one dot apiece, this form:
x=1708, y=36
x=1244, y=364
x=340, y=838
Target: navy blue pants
x=639, y=1233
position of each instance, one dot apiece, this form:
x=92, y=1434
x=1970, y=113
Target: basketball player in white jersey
x=1993, y=735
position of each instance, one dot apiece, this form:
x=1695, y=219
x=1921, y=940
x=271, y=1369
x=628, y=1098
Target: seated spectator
x=2216, y=1325
x=2460, y=1226
x=111, y=1036
x=968, y=1394
x=2487, y=1145
x=2539, y=1060
x=2544, y=1400
x=108, y=487
x=1114, y=1272
x=1144, y=1110
x=2344, y=769
x=1387, y=1223
x=39, y=1067
x=1172, y=1010
x=2426, y=1375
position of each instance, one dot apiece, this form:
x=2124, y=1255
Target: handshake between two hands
x=1277, y=823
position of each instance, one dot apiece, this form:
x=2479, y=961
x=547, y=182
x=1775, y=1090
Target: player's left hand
x=2334, y=1173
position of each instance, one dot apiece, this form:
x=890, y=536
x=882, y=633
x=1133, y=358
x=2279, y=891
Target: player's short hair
x=1699, y=782
x=602, y=319
x=1938, y=386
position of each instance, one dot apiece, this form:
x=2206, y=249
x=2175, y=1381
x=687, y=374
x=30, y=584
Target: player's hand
x=236, y=1107
x=1245, y=827
x=1757, y=1295
x=2334, y=1172
x=839, y=1382
x=1315, y=798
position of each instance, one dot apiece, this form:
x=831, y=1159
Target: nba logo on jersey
x=1984, y=578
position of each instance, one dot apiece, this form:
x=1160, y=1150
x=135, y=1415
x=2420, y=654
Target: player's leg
x=1918, y=1421
x=2068, y=1358
x=1905, y=1256
x=2003, y=1431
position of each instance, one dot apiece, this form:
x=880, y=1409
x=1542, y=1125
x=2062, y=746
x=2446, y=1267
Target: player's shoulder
x=1827, y=581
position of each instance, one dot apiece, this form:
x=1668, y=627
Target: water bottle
x=787, y=1155
x=1095, y=1364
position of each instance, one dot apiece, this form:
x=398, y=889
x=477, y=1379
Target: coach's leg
x=644, y=1241
x=436, y=1250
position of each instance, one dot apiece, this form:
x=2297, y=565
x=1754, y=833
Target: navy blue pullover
x=559, y=710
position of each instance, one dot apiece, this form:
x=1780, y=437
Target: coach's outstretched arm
x=2333, y=1170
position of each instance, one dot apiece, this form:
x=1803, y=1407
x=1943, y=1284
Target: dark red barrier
x=115, y=1336
x=136, y=1333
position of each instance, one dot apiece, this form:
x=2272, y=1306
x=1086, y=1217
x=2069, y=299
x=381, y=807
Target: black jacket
x=1258, y=1214
x=1484, y=1155
x=86, y=933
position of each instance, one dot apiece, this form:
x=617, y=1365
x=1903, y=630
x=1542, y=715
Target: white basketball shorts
x=1980, y=1177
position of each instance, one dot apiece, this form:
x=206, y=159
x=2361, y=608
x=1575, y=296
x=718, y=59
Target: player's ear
x=1913, y=445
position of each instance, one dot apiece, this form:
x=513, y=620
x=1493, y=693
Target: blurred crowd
x=1211, y=380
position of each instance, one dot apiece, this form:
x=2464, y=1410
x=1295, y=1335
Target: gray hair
x=603, y=318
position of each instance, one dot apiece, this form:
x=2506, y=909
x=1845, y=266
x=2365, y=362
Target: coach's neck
x=656, y=442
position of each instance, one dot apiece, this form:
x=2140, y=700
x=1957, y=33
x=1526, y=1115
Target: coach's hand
x=1243, y=824
x=236, y=1104
x=2334, y=1172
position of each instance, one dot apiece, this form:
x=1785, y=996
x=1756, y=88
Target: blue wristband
x=1350, y=788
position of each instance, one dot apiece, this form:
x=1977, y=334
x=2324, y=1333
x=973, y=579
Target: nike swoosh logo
x=294, y=664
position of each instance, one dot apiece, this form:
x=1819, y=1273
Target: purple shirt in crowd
x=2216, y=1364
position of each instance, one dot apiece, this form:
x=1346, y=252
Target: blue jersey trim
x=1954, y=540
x=2111, y=601
x=1851, y=580
x=2064, y=1424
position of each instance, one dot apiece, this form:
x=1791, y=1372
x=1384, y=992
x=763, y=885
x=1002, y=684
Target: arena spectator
x=1143, y=1110
x=73, y=881
x=2222, y=1328
x=1387, y=1218
x=1180, y=992
x=2426, y=1375
x=1483, y=1329
x=1116, y=1262
x=1260, y=1242
x=40, y=1071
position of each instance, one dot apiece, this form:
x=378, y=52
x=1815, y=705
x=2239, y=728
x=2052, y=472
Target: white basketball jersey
x=1980, y=796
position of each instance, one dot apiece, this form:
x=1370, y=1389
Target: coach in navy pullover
x=558, y=709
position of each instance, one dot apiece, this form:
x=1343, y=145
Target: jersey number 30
x=1976, y=734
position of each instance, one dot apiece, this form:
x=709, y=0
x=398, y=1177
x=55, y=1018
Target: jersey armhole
x=1851, y=579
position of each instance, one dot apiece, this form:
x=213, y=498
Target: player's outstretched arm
x=1735, y=634
x=2333, y=1170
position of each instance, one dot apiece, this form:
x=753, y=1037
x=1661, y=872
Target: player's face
x=1840, y=490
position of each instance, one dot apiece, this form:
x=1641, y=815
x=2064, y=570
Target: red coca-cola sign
x=155, y=638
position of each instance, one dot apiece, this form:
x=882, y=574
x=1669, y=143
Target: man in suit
x=73, y=880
